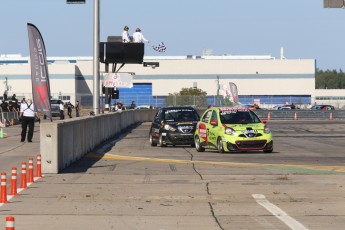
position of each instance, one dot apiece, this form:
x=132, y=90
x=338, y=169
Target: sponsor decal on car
x=247, y=131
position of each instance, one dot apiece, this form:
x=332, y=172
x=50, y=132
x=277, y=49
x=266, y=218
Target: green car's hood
x=240, y=127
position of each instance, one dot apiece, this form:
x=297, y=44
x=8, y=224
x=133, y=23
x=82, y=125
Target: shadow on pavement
x=91, y=158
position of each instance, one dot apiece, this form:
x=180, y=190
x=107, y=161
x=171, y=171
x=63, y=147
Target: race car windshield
x=181, y=115
x=239, y=117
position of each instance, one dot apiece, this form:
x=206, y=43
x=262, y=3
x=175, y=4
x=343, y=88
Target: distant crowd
x=9, y=104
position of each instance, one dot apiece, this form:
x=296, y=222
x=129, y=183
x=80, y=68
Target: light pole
x=96, y=57
x=95, y=51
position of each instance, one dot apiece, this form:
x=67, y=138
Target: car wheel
x=268, y=151
x=152, y=142
x=220, y=145
x=161, y=143
x=198, y=146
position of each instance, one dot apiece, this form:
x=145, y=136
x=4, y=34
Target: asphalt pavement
x=128, y=184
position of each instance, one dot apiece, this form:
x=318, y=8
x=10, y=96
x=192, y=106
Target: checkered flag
x=160, y=48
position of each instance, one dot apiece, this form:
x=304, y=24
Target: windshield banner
x=39, y=72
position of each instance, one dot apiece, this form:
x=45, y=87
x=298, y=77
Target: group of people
x=119, y=106
x=70, y=107
x=137, y=37
x=28, y=115
x=9, y=105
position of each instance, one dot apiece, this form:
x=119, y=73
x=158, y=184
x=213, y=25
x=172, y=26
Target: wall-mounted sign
x=118, y=80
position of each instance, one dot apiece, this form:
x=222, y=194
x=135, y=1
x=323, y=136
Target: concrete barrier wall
x=66, y=141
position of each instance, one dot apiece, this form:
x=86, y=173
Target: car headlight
x=170, y=128
x=230, y=131
x=267, y=130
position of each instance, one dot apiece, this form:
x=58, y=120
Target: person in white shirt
x=27, y=115
x=139, y=37
x=62, y=110
x=125, y=35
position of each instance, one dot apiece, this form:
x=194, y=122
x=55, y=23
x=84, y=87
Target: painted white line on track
x=277, y=212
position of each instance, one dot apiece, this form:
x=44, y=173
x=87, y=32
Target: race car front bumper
x=178, y=138
x=244, y=145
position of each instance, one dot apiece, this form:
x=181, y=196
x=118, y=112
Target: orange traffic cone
x=330, y=116
x=295, y=117
x=10, y=223
x=38, y=166
x=14, y=182
x=269, y=116
x=3, y=195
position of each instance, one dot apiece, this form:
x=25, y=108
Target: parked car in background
x=55, y=106
x=229, y=129
x=285, y=107
x=174, y=126
x=322, y=107
x=251, y=106
x=143, y=107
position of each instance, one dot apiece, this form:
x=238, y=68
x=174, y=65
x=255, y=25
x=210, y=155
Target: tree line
x=330, y=79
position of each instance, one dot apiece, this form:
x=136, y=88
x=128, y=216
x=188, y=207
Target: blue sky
x=239, y=27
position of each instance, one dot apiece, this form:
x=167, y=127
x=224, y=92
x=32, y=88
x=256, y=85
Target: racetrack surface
x=128, y=184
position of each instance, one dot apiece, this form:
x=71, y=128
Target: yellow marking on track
x=129, y=158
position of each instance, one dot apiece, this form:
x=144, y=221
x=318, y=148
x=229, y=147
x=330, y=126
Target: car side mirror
x=264, y=121
x=213, y=122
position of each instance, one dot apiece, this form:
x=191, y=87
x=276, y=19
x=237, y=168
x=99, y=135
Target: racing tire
x=198, y=146
x=268, y=151
x=152, y=142
x=161, y=143
x=220, y=145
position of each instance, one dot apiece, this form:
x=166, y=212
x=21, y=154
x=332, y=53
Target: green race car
x=229, y=129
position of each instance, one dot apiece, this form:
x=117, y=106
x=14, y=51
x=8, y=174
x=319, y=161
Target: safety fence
x=297, y=114
x=9, y=118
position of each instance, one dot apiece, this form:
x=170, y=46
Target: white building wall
x=253, y=77
x=62, y=79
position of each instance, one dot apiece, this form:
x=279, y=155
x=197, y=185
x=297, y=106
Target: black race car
x=174, y=126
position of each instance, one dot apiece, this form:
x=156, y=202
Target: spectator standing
x=138, y=37
x=62, y=110
x=77, y=108
x=69, y=109
x=12, y=107
x=14, y=98
x=125, y=35
x=5, y=96
x=119, y=106
x=4, y=106
x=27, y=115
x=133, y=105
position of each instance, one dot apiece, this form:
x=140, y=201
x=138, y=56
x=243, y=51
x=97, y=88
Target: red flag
x=39, y=72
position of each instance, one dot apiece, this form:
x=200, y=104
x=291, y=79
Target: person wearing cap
x=138, y=37
x=125, y=35
x=28, y=115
